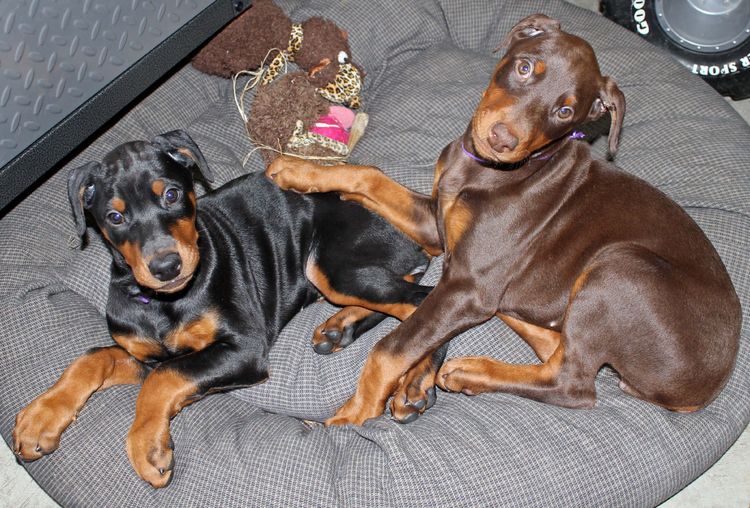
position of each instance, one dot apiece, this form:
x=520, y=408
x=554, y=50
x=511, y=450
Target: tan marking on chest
x=457, y=217
x=439, y=168
x=142, y=348
x=194, y=335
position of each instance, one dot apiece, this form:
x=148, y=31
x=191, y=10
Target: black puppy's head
x=142, y=198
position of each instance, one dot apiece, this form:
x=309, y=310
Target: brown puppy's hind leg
x=560, y=380
x=565, y=377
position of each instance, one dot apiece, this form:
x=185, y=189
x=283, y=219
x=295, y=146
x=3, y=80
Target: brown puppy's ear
x=180, y=146
x=613, y=100
x=528, y=27
x=81, y=191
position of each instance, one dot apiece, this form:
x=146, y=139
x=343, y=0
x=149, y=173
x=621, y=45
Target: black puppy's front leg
x=40, y=424
x=175, y=384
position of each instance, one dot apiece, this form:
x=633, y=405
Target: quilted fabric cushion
x=427, y=62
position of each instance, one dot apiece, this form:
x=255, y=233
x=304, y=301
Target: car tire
x=710, y=37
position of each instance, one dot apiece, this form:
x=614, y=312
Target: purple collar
x=485, y=162
x=145, y=300
x=577, y=135
x=472, y=156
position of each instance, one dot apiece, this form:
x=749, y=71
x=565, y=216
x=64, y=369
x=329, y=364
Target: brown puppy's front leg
x=40, y=424
x=451, y=308
x=410, y=212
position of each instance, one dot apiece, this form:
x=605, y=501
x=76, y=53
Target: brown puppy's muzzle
x=495, y=137
x=497, y=140
x=503, y=128
x=501, y=139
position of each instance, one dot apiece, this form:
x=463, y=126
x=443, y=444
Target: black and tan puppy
x=201, y=288
x=588, y=264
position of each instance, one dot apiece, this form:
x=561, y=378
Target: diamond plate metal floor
x=57, y=56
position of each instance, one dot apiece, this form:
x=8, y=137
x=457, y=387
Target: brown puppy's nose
x=501, y=139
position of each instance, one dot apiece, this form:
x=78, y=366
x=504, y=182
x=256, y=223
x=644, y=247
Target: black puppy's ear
x=81, y=191
x=613, y=100
x=530, y=26
x=180, y=146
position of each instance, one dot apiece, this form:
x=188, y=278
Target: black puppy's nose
x=166, y=266
x=501, y=139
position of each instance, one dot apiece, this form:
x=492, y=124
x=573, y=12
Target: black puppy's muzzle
x=165, y=267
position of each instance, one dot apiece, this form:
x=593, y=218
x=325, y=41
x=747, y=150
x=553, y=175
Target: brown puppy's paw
x=293, y=173
x=465, y=375
x=40, y=425
x=149, y=448
x=415, y=394
x=355, y=413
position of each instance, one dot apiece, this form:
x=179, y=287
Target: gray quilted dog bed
x=427, y=62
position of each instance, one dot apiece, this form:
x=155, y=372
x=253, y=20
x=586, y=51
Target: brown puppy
x=588, y=264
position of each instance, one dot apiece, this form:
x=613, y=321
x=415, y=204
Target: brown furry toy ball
x=289, y=116
x=264, y=39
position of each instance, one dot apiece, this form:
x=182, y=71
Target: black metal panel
x=48, y=145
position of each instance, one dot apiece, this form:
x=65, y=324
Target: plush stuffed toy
x=290, y=116
x=263, y=38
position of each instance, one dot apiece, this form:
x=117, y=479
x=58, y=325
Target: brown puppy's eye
x=524, y=68
x=115, y=218
x=171, y=196
x=564, y=112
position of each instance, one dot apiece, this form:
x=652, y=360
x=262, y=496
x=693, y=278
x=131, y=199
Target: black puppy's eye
x=171, y=196
x=564, y=112
x=115, y=218
x=524, y=68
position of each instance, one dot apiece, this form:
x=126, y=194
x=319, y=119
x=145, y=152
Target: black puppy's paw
x=343, y=328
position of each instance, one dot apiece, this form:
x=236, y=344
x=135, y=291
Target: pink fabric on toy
x=336, y=124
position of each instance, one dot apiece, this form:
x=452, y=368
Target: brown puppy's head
x=142, y=199
x=547, y=83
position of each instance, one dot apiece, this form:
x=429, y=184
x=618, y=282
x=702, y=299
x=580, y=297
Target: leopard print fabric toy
x=295, y=44
x=346, y=88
